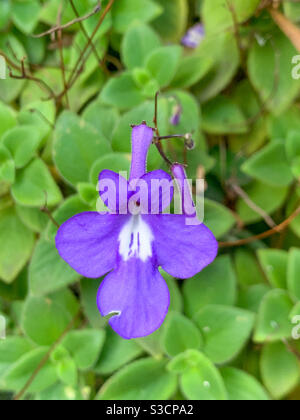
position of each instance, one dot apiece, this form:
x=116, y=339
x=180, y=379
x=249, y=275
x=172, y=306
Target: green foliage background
x=228, y=333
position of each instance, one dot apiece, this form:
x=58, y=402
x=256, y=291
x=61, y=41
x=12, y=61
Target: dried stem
x=156, y=141
x=264, y=235
x=241, y=193
x=46, y=210
x=61, y=54
x=45, y=359
x=25, y=76
x=83, y=57
x=85, y=32
x=71, y=23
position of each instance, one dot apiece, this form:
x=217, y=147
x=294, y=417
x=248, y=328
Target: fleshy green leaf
x=122, y=92
x=222, y=116
x=180, y=334
x=33, y=184
x=22, y=142
x=116, y=353
x=279, y=369
x=17, y=243
x=274, y=262
x=126, y=12
x=273, y=317
x=44, y=320
x=216, y=284
x=163, y=62
x=20, y=372
x=146, y=379
x=242, y=387
x=138, y=42
x=272, y=84
x=199, y=379
x=47, y=271
x=293, y=273
x=84, y=346
x=270, y=166
x=226, y=330
x=81, y=143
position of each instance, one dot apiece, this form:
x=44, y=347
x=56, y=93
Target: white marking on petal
x=136, y=240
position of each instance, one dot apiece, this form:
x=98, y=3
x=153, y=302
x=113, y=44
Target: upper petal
x=181, y=250
x=89, y=243
x=113, y=191
x=140, y=296
x=157, y=192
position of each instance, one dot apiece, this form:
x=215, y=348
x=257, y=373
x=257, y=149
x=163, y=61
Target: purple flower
x=176, y=115
x=131, y=247
x=194, y=36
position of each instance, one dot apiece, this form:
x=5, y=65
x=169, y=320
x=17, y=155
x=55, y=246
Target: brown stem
x=45, y=359
x=83, y=57
x=264, y=235
x=71, y=23
x=85, y=32
x=61, y=54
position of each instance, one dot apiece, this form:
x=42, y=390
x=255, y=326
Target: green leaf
x=270, y=166
x=126, y=12
x=7, y=165
x=83, y=145
x=293, y=273
x=252, y=297
x=11, y=350
x=216, y=284
x=267, y=197
x=101, y=117
x=11, y=88
x=25, y=14
x=218, y=218
x=7, y=118
x=146, y=379
x=223, y=50
x=70, y=207
x=218, y=15
x=199, y=380
x=44, y=320
x=253, y=275
x=67, y=371
x=180, y=334
x=89, y=195
x=138, y=42
x=116, y=353
x=122, y=92
x=274, y=263
x=32, y=185
x=273, y=322
x=33, y=218
x=279, y=369
x=192, y=69
x=163, y=62
x=274, y=88
x=226, y=331
x=114, y=161
x=22, y=142
x=17, y=243
x=242, y=387
x=84, y=346
x=172, y=22
x=47, y=271
x=223, y=116
x=5, y=10
x=20, y=372
x=89, y=289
